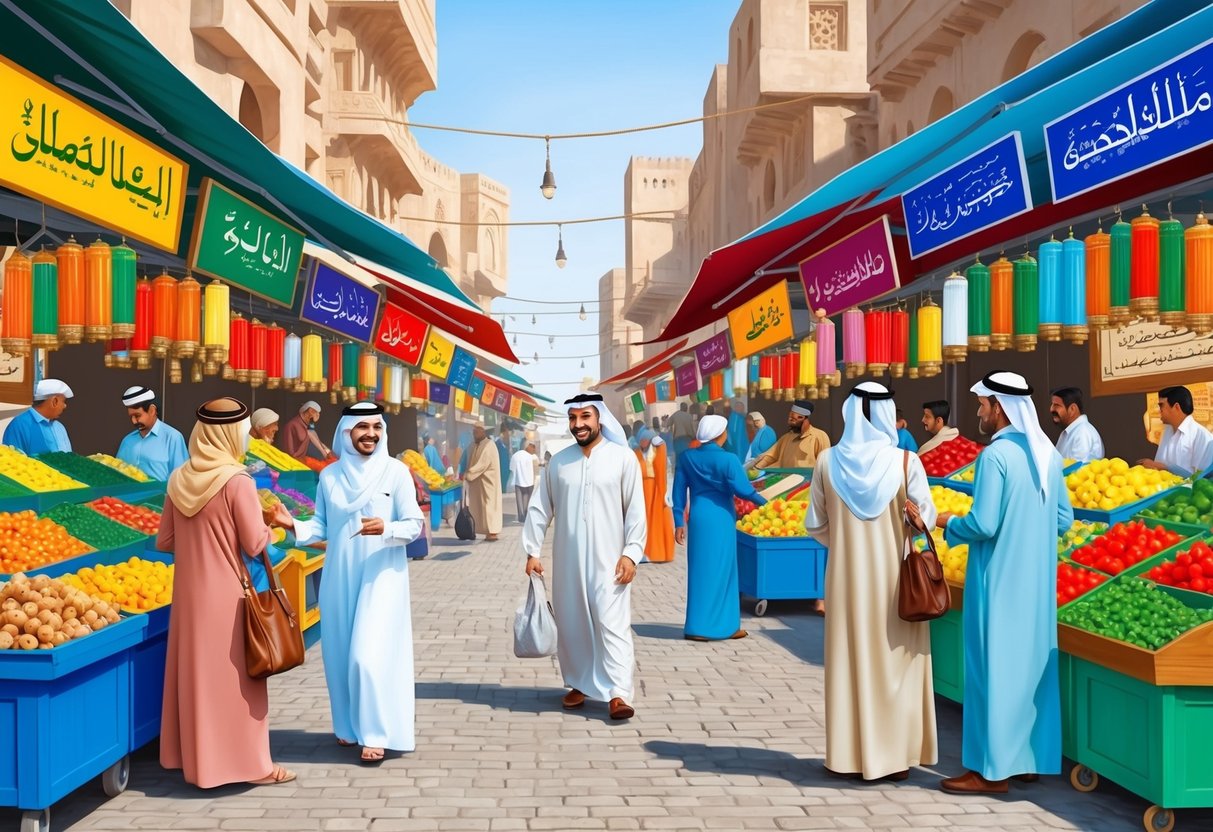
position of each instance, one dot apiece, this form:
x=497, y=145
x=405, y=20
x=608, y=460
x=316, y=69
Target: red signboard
x=401, y=334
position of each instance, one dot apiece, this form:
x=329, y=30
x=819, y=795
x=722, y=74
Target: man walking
x=483, y=483
x=682, y=430
x=524, y=465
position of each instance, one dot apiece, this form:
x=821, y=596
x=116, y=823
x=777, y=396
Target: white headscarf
x=710, y=427
x=612, y=431
x=1015, y=395
x=865, y=466
x=355, y=477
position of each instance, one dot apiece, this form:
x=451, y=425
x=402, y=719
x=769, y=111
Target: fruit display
x=966, y=475
x=135, y=585
x=778, y=518
x=296, y=502
x=950, y=456
x=954, y=559
x=946, y=499
x=140, y=518
x=42, y=613
x=1124, y=545
x=1193, y=506
x=1134, y=611
x=743, y=507
x=33, y=474
x=433, y=480
x=278, y=459
x=82, y=469
x=121, y=467
x=28, y=542
x=89, y=526
x=1191, y=569
x=318, y=465
x=1078, y=535
x=1106, y=484
x=1074, y=582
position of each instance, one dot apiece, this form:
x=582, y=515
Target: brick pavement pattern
x=728, y=735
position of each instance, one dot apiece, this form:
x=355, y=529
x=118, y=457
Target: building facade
x=327, y=84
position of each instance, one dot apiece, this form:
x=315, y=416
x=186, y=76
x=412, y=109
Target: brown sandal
x=373, y=756
x=277, y=775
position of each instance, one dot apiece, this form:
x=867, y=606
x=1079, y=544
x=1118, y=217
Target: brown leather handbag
x=273, y=639
x=922, y=593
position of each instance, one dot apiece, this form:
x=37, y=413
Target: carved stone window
x=827, y=26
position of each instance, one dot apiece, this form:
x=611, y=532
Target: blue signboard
x=1157, y=116
x=476, y=388
x=440, y=393
x=987, y=188
x=340, y=304
x=463, y=365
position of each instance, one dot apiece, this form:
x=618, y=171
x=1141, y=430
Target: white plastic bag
x=534, y=624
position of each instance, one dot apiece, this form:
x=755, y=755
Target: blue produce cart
x=780, y=569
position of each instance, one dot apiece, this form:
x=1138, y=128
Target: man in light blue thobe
x=38, y=430
x=155, y=448
x=1012, y=700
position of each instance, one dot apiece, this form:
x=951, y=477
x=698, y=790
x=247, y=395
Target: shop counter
x=780, y=569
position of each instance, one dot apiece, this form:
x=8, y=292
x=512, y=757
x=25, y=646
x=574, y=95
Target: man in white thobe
x=366, y=508
x=1079, y=439
x=595, y=492
x=1186, y=445
x=524, y=465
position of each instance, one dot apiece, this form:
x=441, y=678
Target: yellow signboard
x=515, y=407
x=761, y=322
x=436, y=360
x=61, y=152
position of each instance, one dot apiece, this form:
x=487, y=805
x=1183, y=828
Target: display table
x=440, y=499
x=780, y=569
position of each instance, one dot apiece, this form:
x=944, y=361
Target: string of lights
x=551, y=302
x=651, y=216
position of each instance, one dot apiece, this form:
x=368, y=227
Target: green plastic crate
x=948, y=655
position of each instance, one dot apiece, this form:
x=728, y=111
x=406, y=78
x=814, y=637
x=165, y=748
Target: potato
x=54, y=621
x=27, y=642
x=30, y=609
x=45, y=634
x=35, y=597
x=67, y=612
x=91, y=617
x=112, y=616
x=82, y=631
x=16, y=618
x=10, y=604
x=59, y=638
x=6, y=641
x=40, y=582
x=31, y=626
x=70, y=625
x=12, y=629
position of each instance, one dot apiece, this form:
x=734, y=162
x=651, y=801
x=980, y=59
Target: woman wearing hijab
x=651, y=454
x=880, y=704
x=713, y=476
x=215, y=724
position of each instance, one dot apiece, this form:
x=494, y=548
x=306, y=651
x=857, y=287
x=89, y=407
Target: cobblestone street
x=727, y=736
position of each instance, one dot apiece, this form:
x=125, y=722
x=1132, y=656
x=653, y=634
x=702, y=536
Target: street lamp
x=548, y=188
x=561, y=259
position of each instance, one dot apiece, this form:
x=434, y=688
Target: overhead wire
x=648, y=216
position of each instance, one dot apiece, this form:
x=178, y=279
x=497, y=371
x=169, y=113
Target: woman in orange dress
x=652, y=456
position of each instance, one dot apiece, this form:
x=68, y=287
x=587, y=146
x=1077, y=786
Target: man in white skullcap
x=299, y=434
x=880, y=703
x=799, y=447
x=38, y=430
x=265, y=424
x=366, y=508
x=154, y=447
x=1012, y=712
x=594, y=491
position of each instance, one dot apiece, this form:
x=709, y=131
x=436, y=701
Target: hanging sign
x=488, y=395
x=663, y=392
x=527, y=413
x=501, y=401
x=987, y=188
x=637, y=400
x=239, y=243
x=463, y=367
x=476, y=388
x=440, y=393
x=66, y=154
x=419, y=388
x=1144, y=356
x=438, y=354
x=686, y=379
x=340, y=304
x=401, y=334
x=713, y=354
x=854, y=270
x=1157, y=116
x=762, y=321
x=515, y=407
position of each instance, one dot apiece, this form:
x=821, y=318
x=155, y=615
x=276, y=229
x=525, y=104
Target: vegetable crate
x=780, y=569
x=955, y=485
x=108, y=557
x=1121, y=513
x=948, y=649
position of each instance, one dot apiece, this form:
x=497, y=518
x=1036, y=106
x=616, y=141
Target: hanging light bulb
x=561, y=259
x=515, y=339
x=548, y=188
x=552, y=341
x=534, y=321
x=581, y=313
x=583, y=364
x=536, y=357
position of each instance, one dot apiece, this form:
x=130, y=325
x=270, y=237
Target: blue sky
x=557, y=67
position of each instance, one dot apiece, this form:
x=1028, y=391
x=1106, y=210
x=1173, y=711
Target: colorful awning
x=645, y=366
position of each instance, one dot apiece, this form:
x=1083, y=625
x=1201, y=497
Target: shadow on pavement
x=670, y=632
x=514, y=700
x=291, y=745
x=445, y=556
x=803, y=637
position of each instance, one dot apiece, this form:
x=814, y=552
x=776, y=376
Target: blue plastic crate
x=955, y=485
x=1122, y=513
x=147, y=678
x=108, y=557
x=780, y=568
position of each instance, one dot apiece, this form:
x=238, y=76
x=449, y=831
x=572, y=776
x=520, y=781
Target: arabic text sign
x=762, y=321
x=463, y=366
x=61, y=152
x=340, y=304
x=501, y=401
x=713, y=354
x=1144, y=356
x=401, y=334
x=438, y=354
x=527, y=413
x=985, y=189
x=686, y=379
x=440, y=393
x=1166, y=112
x=236, y=241
x=853, y=270
x=476, y=388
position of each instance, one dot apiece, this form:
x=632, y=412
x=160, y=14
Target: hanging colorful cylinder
x=1002, y=303
x=827, y=363
x=187, y=336
x=930, y=339
x=741, y=372
x=854, y=348
x=1171, y=272
x=164, y=314
x=122, y=294
x=395, y=386
x=1198, y=276
x=912, y=368
x=292, y=362
x=117, y=353
x=333, y=368
x=978, y=277
x=1143, y=274
x=275, y=356
x=141, y=341
x=955, y=318
x=788, y=374
x=1120, y=264
x=70, y=261
x=766, y=374
x=1048, y=282
x=1027, y=303
x=716, y=386
x=1073, y=290
x=899, y=341
x=18, y=318
x=216, y=325
x=259, y=348
x=807, y=376
x=98, y=292
x=878, y=338
x=419, y=390
x=752, y=374
x=349, y=370
x=368, y=374
x=1098, y=248
x=239, y=351
x=46, y=300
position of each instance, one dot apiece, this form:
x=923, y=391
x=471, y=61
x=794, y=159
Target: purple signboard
x=686, y=379
x=854, y=270
x=713, y=354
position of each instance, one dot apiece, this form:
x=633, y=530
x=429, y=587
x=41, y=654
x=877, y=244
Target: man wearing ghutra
x=154, y=447
x=880, y=704
x=594, y=491
x=799, y=447
x=366, y=508
x=1012, y=713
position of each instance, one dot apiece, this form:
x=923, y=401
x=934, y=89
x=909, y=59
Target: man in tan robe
x=483, y=483
x=799, y=447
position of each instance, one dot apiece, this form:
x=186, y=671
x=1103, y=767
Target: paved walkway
x=727, y=736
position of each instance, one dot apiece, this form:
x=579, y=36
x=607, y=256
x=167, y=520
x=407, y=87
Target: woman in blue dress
x=764, y=437
x=713, y=476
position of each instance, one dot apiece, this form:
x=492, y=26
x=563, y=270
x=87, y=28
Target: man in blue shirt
x=38, y=430
x=153, y=447
x=905, y=440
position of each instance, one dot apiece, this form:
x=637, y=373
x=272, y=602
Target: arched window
x=488, y=252
x=437, y=249
x=250, y=112
x=942, y=104
x=768, y=186
x=1026, y=53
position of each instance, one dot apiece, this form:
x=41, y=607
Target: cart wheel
x=1083, y=779
x=36, y=821
x=116, y=777
x=1158, y=819
x=760, y=609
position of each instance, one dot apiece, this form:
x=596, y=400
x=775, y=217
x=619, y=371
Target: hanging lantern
x=755, y=368
x=164, y=314
x=1074, y=290
x=217, y=325
x=912, y=368
x=292, y=362
x=70, y=261
x=259, y=347
x=789, y=375
x=239, y=350
x=899, y=341
x=46, y=300
x=122, y=285
x=807, y=377
x=1171, y=272
x=368, y=374
x=333, y=368
x=1048, y=302
x=18, y=318
x=766, y=373
x=716, y=386
x=741, y=371
x=1198, y=275
x=1143, y=275
x=854, y=348
x=420, y=389
x=117, y=353
x=1119, y=265
x=1002, y=303
x=1099, y=279
x=275, y=355
x=978, y=277
x=955, y=318
x=187, y=334
x=394, y=384
x=878, y=337
x=824, y=337
x=98, y=292
x=930, y=339
x=141, y=341
x=1027, y=303
x=349, y=370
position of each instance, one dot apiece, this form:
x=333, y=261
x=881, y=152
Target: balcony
x=364, y=122
x=404, y=32
x=269, y=24
x=655, y=294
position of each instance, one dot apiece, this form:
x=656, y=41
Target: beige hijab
x=217, y=444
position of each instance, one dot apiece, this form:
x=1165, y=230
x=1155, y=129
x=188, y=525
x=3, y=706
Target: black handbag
x=465, y=524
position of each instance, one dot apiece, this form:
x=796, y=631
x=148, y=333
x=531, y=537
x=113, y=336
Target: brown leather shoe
x=973, y=783
x=573, y=700
x=1026, y=778
x=621, y=709
x=695, y=638
x=739, y=634
x=842, y=775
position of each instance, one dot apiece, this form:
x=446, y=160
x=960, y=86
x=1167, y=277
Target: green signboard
x=241, y=244
x=527, y=414
x=637, y=402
